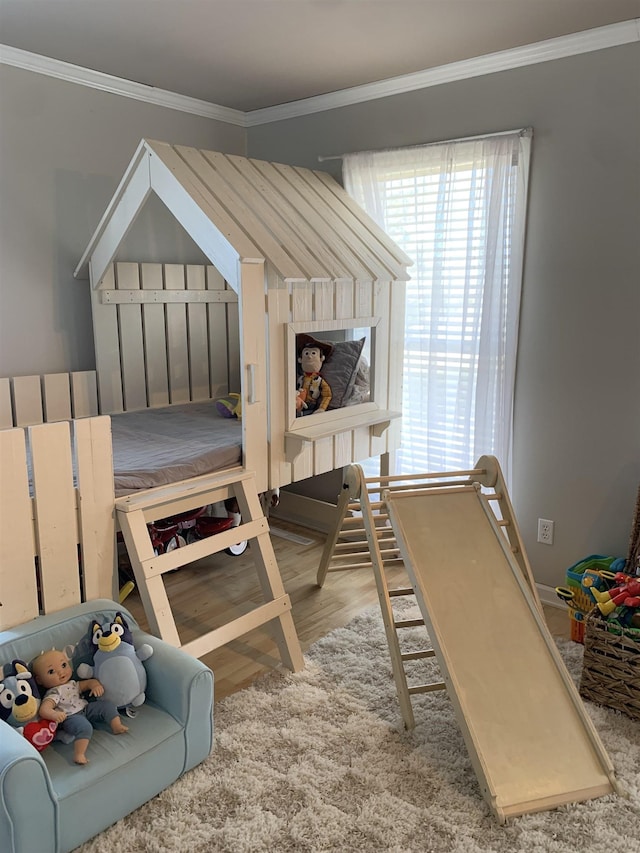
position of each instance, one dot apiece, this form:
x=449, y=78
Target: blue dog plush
x=20, y=705
x=116, y=663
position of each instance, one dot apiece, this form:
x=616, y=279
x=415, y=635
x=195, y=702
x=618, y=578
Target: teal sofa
x=48, y=804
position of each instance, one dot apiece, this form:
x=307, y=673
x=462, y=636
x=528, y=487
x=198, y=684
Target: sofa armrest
x=25, y=791
x=182, y=686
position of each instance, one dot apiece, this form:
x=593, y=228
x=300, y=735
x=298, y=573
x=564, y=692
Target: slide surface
x=531, y=743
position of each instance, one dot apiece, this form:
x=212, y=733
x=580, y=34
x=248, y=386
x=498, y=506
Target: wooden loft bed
x=297, y=255
x=290, y=254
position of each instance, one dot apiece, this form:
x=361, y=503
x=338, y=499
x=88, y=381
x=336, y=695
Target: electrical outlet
x=545, y=531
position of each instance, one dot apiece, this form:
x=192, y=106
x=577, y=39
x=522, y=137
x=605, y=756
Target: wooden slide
x=531, y=743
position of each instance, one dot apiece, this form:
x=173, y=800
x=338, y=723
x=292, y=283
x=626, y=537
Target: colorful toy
x=20, y=705
x=311, y=356
x=230, y=406
x=625, y=594
x=117, y=664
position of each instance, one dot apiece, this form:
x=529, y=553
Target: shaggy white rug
x=318, y=761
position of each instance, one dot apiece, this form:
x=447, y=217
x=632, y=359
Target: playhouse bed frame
x=290, y=253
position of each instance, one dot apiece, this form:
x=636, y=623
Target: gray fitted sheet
x=155, y=447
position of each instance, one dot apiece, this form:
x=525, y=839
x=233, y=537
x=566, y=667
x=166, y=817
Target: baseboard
x=307, y=512
x=549, y=596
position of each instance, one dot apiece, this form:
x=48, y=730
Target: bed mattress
x=155, y=447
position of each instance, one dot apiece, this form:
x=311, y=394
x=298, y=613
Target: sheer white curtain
x=458, y=209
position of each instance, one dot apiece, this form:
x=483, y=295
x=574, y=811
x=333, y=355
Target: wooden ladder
x=136, y=510
x=365, y=540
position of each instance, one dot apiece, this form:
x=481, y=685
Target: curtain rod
x=523, y=131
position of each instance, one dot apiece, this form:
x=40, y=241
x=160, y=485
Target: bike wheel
x=237, y=550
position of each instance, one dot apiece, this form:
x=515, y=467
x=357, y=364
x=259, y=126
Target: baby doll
x=64, y=704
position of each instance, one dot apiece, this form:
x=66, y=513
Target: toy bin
x=595, y=570
x=611, y=664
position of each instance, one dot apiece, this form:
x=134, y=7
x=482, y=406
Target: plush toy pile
x=116, y=664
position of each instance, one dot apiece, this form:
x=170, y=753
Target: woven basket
x=611, y=667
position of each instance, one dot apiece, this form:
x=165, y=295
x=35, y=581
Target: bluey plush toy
x=117, y=664
x=20, y=704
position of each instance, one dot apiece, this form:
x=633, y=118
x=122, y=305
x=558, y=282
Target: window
x=457, y=208
x=349, y=369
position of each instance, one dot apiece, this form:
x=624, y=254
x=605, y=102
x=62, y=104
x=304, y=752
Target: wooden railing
x=28, y=400
x=57, y=526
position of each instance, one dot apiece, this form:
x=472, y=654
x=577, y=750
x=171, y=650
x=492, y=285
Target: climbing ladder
x=530, y=740
x=363, y=538
x=134, y=511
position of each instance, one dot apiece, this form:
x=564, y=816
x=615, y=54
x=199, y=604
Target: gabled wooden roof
x=301, y=222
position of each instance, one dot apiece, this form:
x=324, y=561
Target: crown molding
x=117, y=85
x=612, y=35
x=599, y=38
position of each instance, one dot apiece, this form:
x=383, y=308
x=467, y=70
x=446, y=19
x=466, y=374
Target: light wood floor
x=203, y=594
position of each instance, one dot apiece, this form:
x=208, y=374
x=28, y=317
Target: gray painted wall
x=63, y=150
x=577, y=406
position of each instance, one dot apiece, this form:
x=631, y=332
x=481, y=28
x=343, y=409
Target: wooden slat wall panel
x=168, y=353
x=315, y=255
x=323, y=458
x=6, y=409
x=190, y=202
x=278, y=303
x=155, y=345
x=134, y=386
x=381, y=306
x=343, y=449
x=336, y=232
x=198, y=336
x=177, y=345
x=302, y=294
x=243, y=209
x=379, y=248
x=318, y=232
x=218, y=349
x=96, y=521
x=301, y=302
x=254, y=414
x=258, y=194
x=84, y=394
x=27, y=400
x=323, y=300
x=56, y=393
x=344, y=300
x=396, y=359
x=233, y=343
x=18, y=589
x=343, y=199
x=107, y=348
x=285, y=202
x=55, y=514
x=48, y=398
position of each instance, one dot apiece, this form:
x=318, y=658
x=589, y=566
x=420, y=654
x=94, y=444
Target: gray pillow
x=340, y=370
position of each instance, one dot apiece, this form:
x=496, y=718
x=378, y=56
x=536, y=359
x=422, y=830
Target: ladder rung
x=405, y=590
x=427, y=688
x=424, y=653
x=344, y=546
x=408, y=623
x=350, y=566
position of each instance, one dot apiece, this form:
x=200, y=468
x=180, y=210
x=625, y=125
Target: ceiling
x=250, y=54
